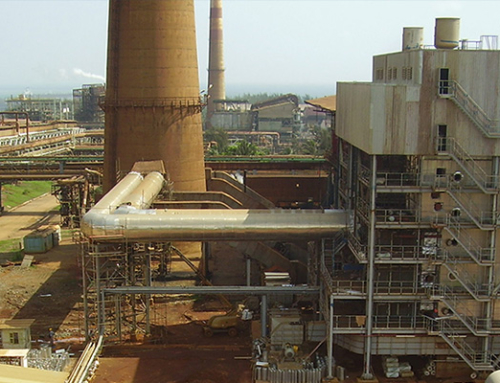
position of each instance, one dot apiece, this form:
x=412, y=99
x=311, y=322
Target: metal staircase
x=478, y=361
x=453, y=329
x=467, y=261
x=486, y=182
x=481, y=255
x=329, y=248
x=484, y=220
x=470, y=283
x=458, y=307
x=454, y=91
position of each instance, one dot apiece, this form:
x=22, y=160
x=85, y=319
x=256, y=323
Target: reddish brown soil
x=51, y=293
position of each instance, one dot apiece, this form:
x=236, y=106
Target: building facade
x=418, y=163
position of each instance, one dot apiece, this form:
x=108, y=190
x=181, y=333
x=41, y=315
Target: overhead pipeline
x=113, y=216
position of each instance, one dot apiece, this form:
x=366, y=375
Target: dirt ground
x=50, y=291
x=18, y=222
x=186, y=357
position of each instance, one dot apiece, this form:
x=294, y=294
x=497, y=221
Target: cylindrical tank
x=216, y=80
x=494, y=377
x=447, y=33
x=413, y=38
x=152, y=100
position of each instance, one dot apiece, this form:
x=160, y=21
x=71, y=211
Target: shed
x=19, y=355
x=15, y=374
x=39, y=241
x=16, y=333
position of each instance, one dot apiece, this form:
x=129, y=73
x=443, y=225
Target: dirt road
x=22, y=220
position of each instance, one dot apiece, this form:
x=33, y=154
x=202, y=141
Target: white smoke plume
x=81, y=72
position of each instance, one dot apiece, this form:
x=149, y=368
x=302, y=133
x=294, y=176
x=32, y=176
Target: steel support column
x=263, y=316
x=370, y=273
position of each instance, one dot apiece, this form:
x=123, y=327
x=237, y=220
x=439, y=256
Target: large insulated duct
x=216, y=82
x=152, y=99
x=119, y=219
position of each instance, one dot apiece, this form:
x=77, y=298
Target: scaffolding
x=432, y=272
x=114, y=262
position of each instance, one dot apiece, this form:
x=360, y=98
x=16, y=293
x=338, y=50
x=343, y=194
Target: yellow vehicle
x=229, y=322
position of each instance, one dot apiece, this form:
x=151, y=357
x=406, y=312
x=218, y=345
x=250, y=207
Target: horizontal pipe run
x=209, y=290
x=109, y=219
x=225, y=225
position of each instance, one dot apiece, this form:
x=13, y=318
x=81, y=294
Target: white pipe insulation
x=122, y=213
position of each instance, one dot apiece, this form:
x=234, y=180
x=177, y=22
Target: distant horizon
x=285, y=46
x=232, y=90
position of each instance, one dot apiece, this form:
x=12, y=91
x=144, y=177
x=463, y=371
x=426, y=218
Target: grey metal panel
x=394, y=345
x=315, y=331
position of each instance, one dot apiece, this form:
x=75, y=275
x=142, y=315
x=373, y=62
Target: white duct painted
x=126, y=221
x=143, y=196
x=116, y=195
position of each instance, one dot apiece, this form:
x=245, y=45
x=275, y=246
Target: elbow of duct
x=130, y=196
x=94, y=223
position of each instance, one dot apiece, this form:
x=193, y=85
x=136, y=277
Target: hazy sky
x=299, y=46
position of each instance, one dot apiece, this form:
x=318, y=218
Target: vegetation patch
x=11, y=250
x=17, y=193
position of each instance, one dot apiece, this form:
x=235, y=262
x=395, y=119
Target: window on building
x=379, y=74
x=444, y=81
x=389, y=74
x=441, y=172
x=403, y=73
x=409, y=73
x=442, y=134
x=395, y=73
x=14, y=338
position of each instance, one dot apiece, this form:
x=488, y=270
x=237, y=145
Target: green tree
x=323, y=138
x=220, y=137
x=242, y=148
x=310, y=147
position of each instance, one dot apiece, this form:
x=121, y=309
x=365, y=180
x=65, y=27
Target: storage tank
x=494, y=377
x=152, y=104
x=413, y=38
x=447, y=33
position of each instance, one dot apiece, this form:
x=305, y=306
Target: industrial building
x=41, y=108
x=413, y=272
x=86, y=103
x=391, y=255
x=418, y=164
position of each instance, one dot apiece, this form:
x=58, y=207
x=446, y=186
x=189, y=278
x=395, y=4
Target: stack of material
x=430, y=368
x=395, y=369
x=45, y=359
x=391, y=367
x=405, y=370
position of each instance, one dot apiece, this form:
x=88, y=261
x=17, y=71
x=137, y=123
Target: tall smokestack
x=216, y=82
x=152, y=98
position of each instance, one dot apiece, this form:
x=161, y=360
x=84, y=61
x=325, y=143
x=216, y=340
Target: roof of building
x=284, y=99
x=328, y=103
x=6, y=324
x=14, y=352
x=16, y=374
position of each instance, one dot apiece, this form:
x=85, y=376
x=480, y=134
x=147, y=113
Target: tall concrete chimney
x=216, y=82
x=152, y=100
